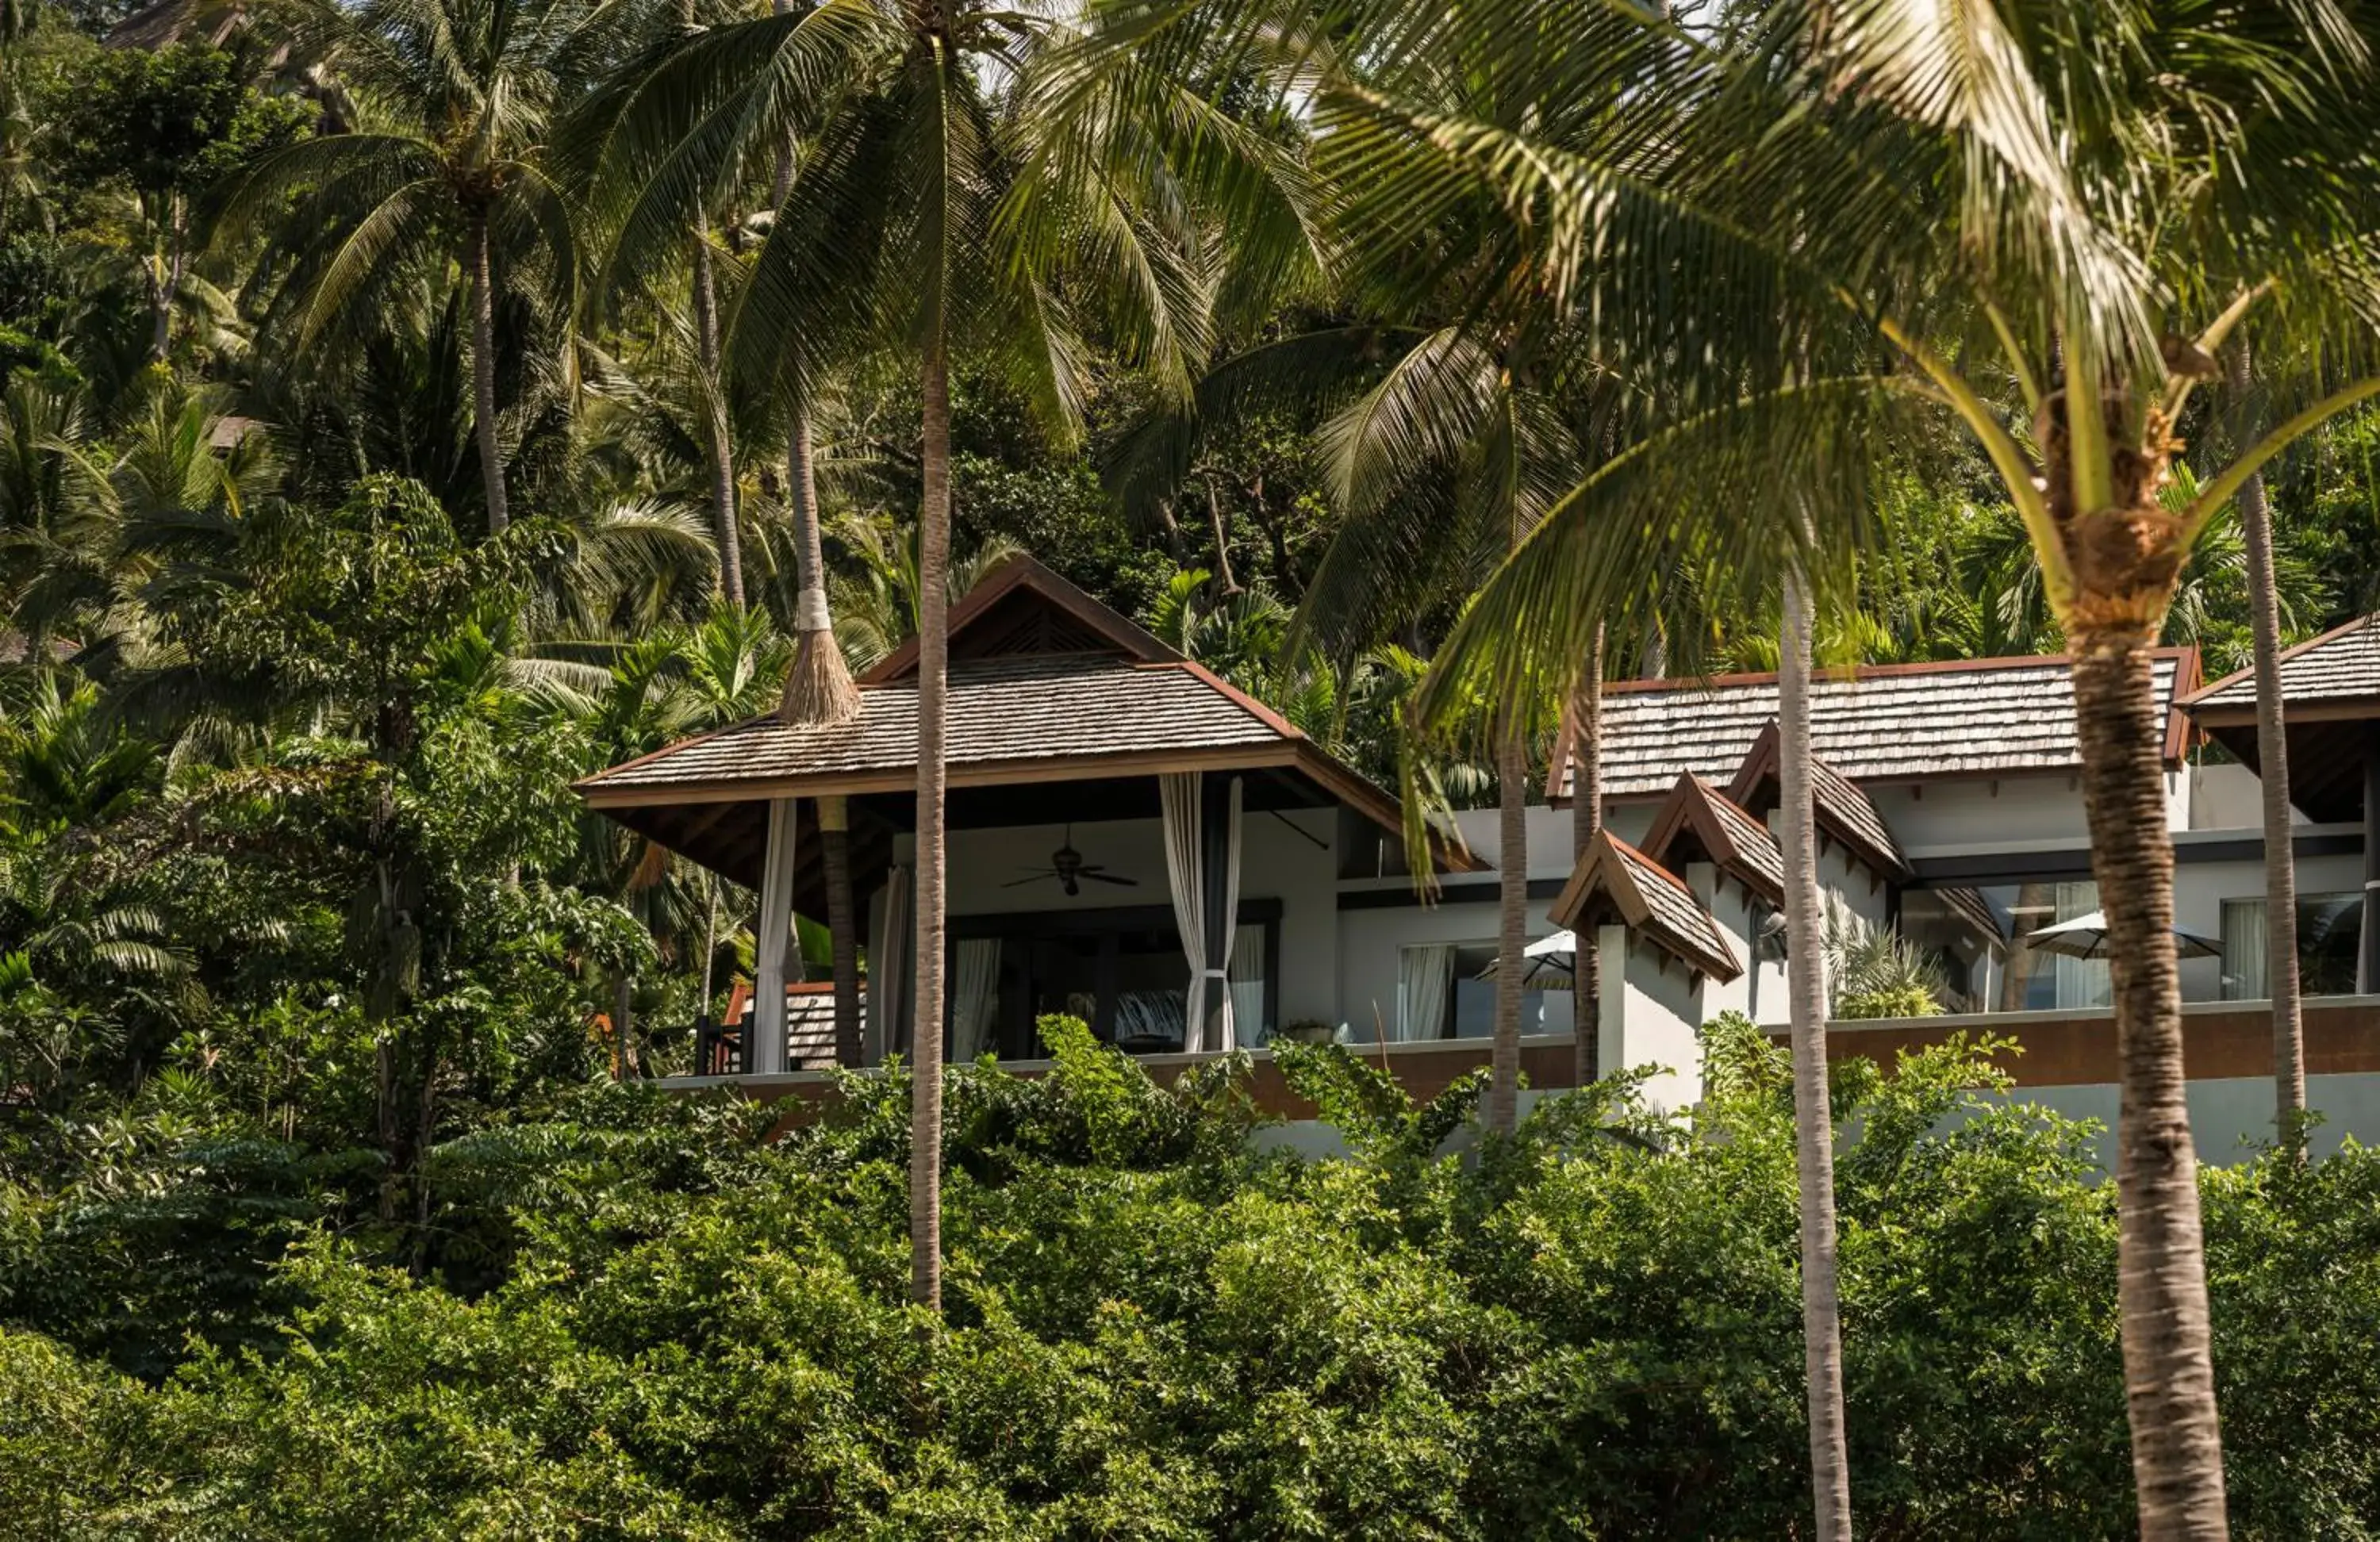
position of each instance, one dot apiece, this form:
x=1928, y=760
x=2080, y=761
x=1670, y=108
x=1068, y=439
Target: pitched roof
x=1839, y=806
x=1046, y=686
x=2338, y=669
x=1972, y=717
x=1971, y=906
x=1020, y=607
x=1615, y=878
x=1698, y=820
x=1007, y=716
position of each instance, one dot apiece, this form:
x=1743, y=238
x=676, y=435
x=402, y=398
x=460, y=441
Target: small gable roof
x=1841, y=808
x=1614, y=878
x=1697, y=821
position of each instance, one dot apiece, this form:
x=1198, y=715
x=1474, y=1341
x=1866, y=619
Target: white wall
x=2227, y=1114
x=1649, y=1017
x=2005, y=813
x=1369, y=940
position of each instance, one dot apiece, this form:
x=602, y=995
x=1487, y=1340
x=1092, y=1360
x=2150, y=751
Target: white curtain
x=1248, y=984
x=1425, y=976
x=888, y=965
x=2247, y=973
x=1198, y=898
x=974, y=995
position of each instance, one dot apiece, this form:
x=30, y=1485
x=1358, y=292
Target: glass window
x=2330, y=929
x=1474, y=999
x=2039, y=980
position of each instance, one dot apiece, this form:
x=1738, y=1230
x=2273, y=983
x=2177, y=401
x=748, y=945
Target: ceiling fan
x=1066, y=865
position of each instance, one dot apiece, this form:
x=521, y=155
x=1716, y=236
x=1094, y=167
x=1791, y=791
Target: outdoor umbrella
x=2087, y=937
x=1549, y=963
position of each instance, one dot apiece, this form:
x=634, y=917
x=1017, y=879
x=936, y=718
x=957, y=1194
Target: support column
x=764, y=1049
x=2367, y=964
x=835, y=840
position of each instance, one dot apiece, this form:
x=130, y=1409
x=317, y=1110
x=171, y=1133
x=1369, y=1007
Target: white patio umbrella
x=1549, y=963
x=2087, y=937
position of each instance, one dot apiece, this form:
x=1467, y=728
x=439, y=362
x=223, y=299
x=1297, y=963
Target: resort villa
x=1137, y=841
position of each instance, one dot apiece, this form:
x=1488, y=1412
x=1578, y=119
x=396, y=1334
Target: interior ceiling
x=2326, y=764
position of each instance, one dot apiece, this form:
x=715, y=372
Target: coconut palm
x=443, y=174
x=1814, y=1142
x=2273, y=764
x=948, y=196
x=1821, y=231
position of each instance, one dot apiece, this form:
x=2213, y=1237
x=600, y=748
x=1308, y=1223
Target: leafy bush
x=672, y=1325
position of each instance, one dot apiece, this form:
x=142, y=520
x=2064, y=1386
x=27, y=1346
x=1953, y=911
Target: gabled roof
x=1021, y=608
x=1615, y=880
x=1840, y=808
x=2330, y=699
x=2336, y=674
x=1697, y=821
x=1046, y=686
x=1880, y=722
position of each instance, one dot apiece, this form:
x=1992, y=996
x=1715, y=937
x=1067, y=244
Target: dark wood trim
x=1989, y=867
x=1402, y=896
x=1024, y=572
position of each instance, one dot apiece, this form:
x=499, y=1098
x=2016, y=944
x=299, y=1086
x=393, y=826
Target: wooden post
x=842, y=920
x=764, y=1049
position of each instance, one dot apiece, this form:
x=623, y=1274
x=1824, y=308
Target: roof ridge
x=1853, y=673
x=2207, y=692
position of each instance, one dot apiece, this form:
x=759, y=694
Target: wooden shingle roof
x=1615, y=882
x=1697, y=821
x=1007, y=716
x=1049, y=691
x=1881, y=722
x=1841, y=808
x=2330, y=699
x=2338, y=669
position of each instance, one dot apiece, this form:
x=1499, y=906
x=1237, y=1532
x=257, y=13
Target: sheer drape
x=2247, y=972
x=888, y=965
x=1202, y=868
x=1424, y=976
x=974, y=996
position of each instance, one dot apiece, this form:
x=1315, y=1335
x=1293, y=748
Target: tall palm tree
x=1827, y=225
x=1813, y=1138
x=445, y=170
x=2272, y=762
x=1586, y=819
x=950, y=196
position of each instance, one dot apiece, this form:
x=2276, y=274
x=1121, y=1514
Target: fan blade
x=1108, y=878
x=1019, y=883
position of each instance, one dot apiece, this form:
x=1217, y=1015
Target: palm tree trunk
x=1805, y=989
x=933, y=704
x=483, y=375
x=818, y=687
x=1222, y=539
x=1586, y=819
x=2273, y=759
x=2161, y=1256
x=721, y=445
x=1513, y=915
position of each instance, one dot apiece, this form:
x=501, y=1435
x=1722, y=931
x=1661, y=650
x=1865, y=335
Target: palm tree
x=2273, y=764
x=1827, y=228
x=1813, y=1138
x=947, y=196
x=1586, y=819
x=443, y=171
